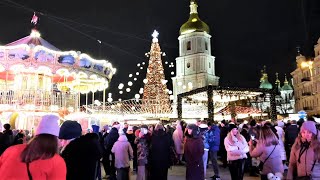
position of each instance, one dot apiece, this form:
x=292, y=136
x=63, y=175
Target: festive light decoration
x=128, y=89
x=225, y=92
x=155, y=98
x=130, y=83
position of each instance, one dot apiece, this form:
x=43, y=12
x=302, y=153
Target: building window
x=206, y=45
x=188, y=45
x=188, y=65
x=209, y=65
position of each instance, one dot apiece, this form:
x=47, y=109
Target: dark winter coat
x=213, y=138
x=82, y=156
x=223, y=134
x=193, y=152
x=291, y=134
x=111, y=139
x=6, y=140
x=160, y=155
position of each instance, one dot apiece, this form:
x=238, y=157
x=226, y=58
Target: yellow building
x=306, y=83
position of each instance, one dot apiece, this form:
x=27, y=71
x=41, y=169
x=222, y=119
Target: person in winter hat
x=81, y=153
x=39, y=157
x=123, y=153
x=237, y=148
x=305, y=153
x=193, y=151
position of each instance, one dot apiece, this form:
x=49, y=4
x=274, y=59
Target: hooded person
x=108, y=143
x=81, y=153
x=178, y=140
x=39, y=159
x=193, y=152
x=123, y=153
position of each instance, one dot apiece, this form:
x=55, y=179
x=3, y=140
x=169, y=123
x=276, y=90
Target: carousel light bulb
x=109, y=99
x=137, y=73
x=179, y=83
x=137, y=96
x=120, y=92
x=145, y=81
x=134, y=79
x=130, y=83
x=128, y=89
x=172, y=73
x=130, y=75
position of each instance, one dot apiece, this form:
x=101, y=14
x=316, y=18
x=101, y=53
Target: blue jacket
x=212, y=137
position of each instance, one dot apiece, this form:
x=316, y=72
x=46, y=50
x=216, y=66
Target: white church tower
x=195, y=66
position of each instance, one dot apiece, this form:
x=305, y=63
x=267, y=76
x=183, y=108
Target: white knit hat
x=48, y=125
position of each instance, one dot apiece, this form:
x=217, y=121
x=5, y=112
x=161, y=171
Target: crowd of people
x=260, y=148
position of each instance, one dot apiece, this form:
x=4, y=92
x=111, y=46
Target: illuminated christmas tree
x=155, y=94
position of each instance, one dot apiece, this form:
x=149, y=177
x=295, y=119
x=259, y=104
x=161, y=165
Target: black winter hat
x=70, y=130
x=231, y=126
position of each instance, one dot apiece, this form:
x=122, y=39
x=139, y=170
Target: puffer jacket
x=213, y=138
x=304, y=167
x=236, y=149
x=273, y=163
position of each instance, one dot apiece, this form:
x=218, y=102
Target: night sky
x=246, y=34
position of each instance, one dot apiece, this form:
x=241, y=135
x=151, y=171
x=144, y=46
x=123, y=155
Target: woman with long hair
x=237, y=148
x=305, y=154
x=268, y=150
x=39, y=158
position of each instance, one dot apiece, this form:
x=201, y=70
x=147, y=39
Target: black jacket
x=82, y=156
x=111, y=139
x=291, y=134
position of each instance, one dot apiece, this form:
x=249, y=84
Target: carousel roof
x=34, y=39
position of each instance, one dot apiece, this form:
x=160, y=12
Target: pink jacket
x=236, y=149
x=304, y=167
x=122, y=149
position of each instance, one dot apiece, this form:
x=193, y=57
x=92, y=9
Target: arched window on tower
x=188, y=45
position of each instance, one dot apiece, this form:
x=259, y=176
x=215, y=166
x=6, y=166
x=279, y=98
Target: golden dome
x=194, y=23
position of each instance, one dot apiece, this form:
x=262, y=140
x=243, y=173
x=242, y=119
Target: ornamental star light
x=155, y=35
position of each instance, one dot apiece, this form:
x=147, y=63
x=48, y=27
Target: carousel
x=36, y=78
